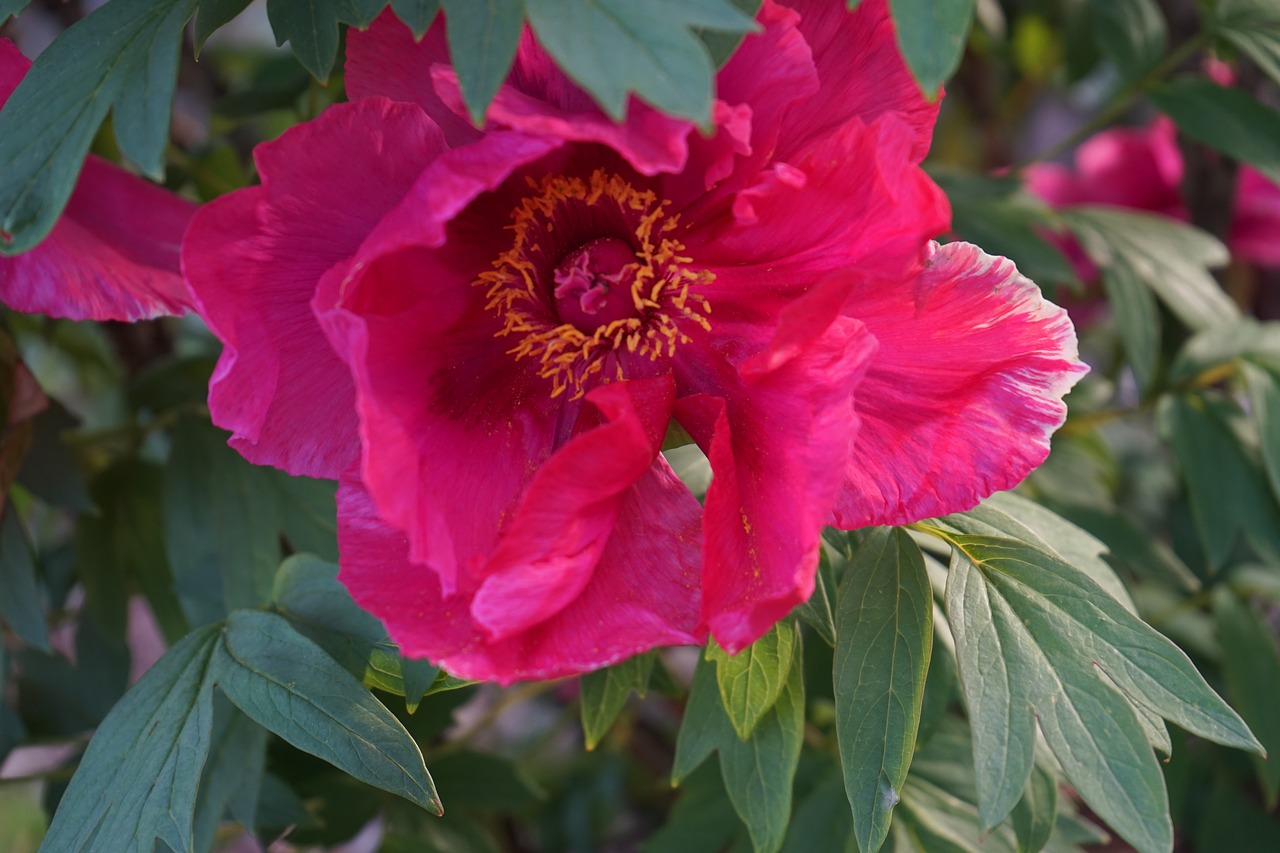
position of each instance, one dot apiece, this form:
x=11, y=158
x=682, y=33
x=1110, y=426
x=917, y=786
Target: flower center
x=593, y=278
x=593, y=284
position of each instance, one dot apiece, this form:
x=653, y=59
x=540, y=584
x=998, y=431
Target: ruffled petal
x=114, y=253
x=642, y=593
x=862, y=73
x=254, y=259
x=963, y=393
x=1255, y=225
x=771, y=430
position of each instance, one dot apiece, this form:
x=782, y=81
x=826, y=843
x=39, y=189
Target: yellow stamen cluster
x=660, y=288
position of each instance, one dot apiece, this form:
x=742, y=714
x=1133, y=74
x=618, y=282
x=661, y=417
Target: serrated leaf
x=1253, y=26
x=605, y=691
x=307, y=593
x=311, y=27
x=483, y=37
x=650, y=47
x=1251, y=665
x=20, y=602
x=1034, y=816
x=1030, y=631
x=1131, y=34
x=123, y=56
x=758, y=773
x=1225, y=487
x=212, y=15
x=751, y=681
x=884, y=637
x=137, y=781
x=292, y=688
x=1137, y=320
x=418, y=15
x=932, y=37
x=1169, y=257
x=1230, y=120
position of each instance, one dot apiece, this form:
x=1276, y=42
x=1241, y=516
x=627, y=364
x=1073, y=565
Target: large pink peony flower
x=1142, y=168
x=112, y=256
x=485, y=335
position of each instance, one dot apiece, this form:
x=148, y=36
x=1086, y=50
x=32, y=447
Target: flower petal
x=771, y=430
x=863, y=75
x=1255, y=226
x=963, y=393
x=643, y=592
x=254, y=258
x=114, y=253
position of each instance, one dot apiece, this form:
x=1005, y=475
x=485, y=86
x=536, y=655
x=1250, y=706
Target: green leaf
x=1212, y=348
x=213, y=15
x=232, y=778
x=418, y=15
x=1010, y=515
x=1253, y=26
x=753, y=679
x=817, y=611
x=884, y=637
x=722, y=44
x=702, y=818
x=822, y=823
x=11, y=8
x=1133, y=546
x=1131, y=34
x=483, y=37
x=289, y=686
x=1264, y=397
x=1034, y=816
x=1169, y=257
x=20, y=602
x=123, y=56
x=1251, y=664
x=758, y=772
x=649, y=47
x=318, y=606
x=605, y=691
x=1034, y=634
x=50, y=470
x=483, y=781
x=311, y=27
x=309, y=514
x=1230, y=120
x=932, y=37
x=1137, y=320
x=1225, y=486
x=137, y=781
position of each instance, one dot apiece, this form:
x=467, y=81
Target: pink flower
x=1142, y=168
x=112, y=256
x=485, y=335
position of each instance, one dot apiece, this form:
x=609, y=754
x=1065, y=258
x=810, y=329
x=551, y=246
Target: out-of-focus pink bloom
x=485, y=336
x=114, y=253
x=1142, y=168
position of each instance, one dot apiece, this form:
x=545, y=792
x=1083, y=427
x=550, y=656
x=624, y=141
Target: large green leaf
x=1251, y=664
x=309, y=595
x=1230, y=120
x=1253, y=26
x=1169, y=257
x=884, y=637
x=1131, y=34
x=1226, y=487
x=418, y=15
x=20, y=602
x=483, y=37
x=932, y=37
x=212, y=15
x=752, y=680
x=137, y=781
x=649, y=47
x=1034, y=816
x=605, y=691
x=289, y=686
x=1037, y=636
x=123, y=56
x=757, y=772
x=311, y=27
x=232, y=778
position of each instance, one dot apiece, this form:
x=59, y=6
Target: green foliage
x=482, y=40
x=751, y=681
x=10, y=8
x=1133, y=34
x=1253, y=27
x=884, y=636
x=1227, y=119
x=932, y=37
x=605, y=691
